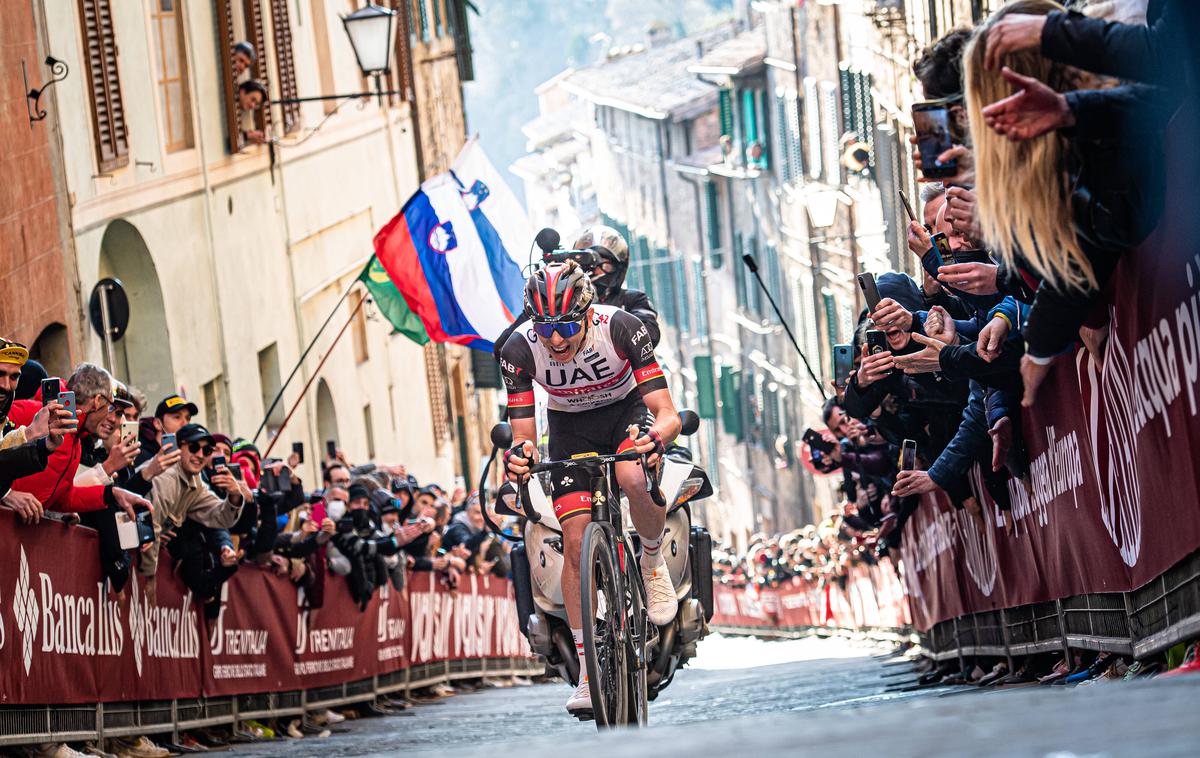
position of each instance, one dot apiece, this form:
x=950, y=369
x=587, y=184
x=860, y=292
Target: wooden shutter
x=254, y=30
x=108, y=111
x=401, y=76
x=225, y=42
x=281, y=29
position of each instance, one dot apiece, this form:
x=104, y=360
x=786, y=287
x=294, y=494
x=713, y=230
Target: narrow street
x=820, y=697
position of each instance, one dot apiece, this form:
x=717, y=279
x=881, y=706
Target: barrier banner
x=65, y=640
x=1114, y=476
x=477, y=621
x=869, y=597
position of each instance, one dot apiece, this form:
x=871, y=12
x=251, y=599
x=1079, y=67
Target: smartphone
x=298, y=449
x=67, y=400
x=908, y=455
x=971, y=256
x=877, y=342
x=843, y=364
x=866, y=282
x=129, y=430
x=168, y=442
x=331, y=449
x=127, y=531
x=907, y=206
x=815, y=441
x=932, y=122
x=217, y=462
x=235, y=470
x=50, y=387
x=942, y=243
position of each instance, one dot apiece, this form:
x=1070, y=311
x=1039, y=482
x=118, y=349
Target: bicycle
x=617, y=633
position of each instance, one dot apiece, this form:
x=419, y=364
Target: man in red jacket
x=54, y=486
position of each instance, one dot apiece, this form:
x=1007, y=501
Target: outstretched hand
x=1032, y=111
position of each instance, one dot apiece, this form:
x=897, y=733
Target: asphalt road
x=811, y=697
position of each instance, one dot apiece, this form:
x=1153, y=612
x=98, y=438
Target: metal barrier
x=31, y=724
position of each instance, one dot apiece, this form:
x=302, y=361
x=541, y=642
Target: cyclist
x=597, y=364
x=608, y=278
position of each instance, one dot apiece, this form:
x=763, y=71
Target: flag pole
x=307, y=350
x=315, y=373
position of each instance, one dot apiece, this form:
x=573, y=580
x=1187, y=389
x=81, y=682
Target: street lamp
x=370, y=32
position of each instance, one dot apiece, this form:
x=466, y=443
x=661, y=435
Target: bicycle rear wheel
x=602, y=601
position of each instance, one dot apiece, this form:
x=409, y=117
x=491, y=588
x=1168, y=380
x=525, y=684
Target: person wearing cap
x=243, y=59
x=27, y=450
x=362, y=546
x=185, y=506
x=54, y=487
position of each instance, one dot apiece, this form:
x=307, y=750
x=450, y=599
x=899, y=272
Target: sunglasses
x=196, y=447
x=565, y=330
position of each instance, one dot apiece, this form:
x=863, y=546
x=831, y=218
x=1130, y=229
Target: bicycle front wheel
x=602, y=601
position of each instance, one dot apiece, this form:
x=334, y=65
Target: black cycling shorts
x=602, y=431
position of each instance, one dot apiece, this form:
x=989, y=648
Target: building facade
x=785, y=138
x=238, y=234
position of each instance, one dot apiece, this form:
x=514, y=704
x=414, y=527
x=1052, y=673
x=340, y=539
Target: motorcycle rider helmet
x=614, y=253
x=559, y=293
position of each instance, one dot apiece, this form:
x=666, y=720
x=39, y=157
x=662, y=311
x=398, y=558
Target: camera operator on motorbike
x=608, y=279
x=590, y=358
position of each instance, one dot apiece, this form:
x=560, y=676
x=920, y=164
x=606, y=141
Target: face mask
x=335, y=509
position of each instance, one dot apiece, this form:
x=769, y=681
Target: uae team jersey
x=616, y=357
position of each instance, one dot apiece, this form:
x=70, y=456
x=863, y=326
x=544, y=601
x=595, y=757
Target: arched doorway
x=327, y=427
x=143, y=356
x=53, y=350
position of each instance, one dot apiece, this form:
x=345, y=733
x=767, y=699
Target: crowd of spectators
x=211, y=504
x=1054, y=172
x=817, y=554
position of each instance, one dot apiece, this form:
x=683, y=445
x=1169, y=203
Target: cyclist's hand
x=649, y=444
x=518, y=459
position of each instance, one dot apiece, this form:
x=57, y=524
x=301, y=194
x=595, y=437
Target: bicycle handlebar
x=653, y=477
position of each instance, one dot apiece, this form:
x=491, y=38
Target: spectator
x=25, y=451
x=252, y=96
x=363, y=546
x=54, y=487
x=190, y=519
x=243, y=61
x=172, y=413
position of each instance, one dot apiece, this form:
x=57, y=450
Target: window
x=285, y=68
x=269, y=386
x=812, y=128
x=104, y=82
x=830, y=135
x=358, y=308
x=712, y=211
x=167, y=20
x=369, y=427
x=422, y=25
x=739, y=271
x=725, y=103
x=232, y=28
x=730, y=390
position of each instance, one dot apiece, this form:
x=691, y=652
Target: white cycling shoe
x=660, y=592
x=581, y=702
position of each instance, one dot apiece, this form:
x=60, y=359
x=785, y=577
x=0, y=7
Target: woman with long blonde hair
x=1024, y=187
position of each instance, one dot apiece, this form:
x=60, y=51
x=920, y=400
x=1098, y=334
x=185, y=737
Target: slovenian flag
x=452, y=254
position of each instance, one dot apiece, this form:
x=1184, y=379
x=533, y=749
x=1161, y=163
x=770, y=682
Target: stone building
x=235, y=251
